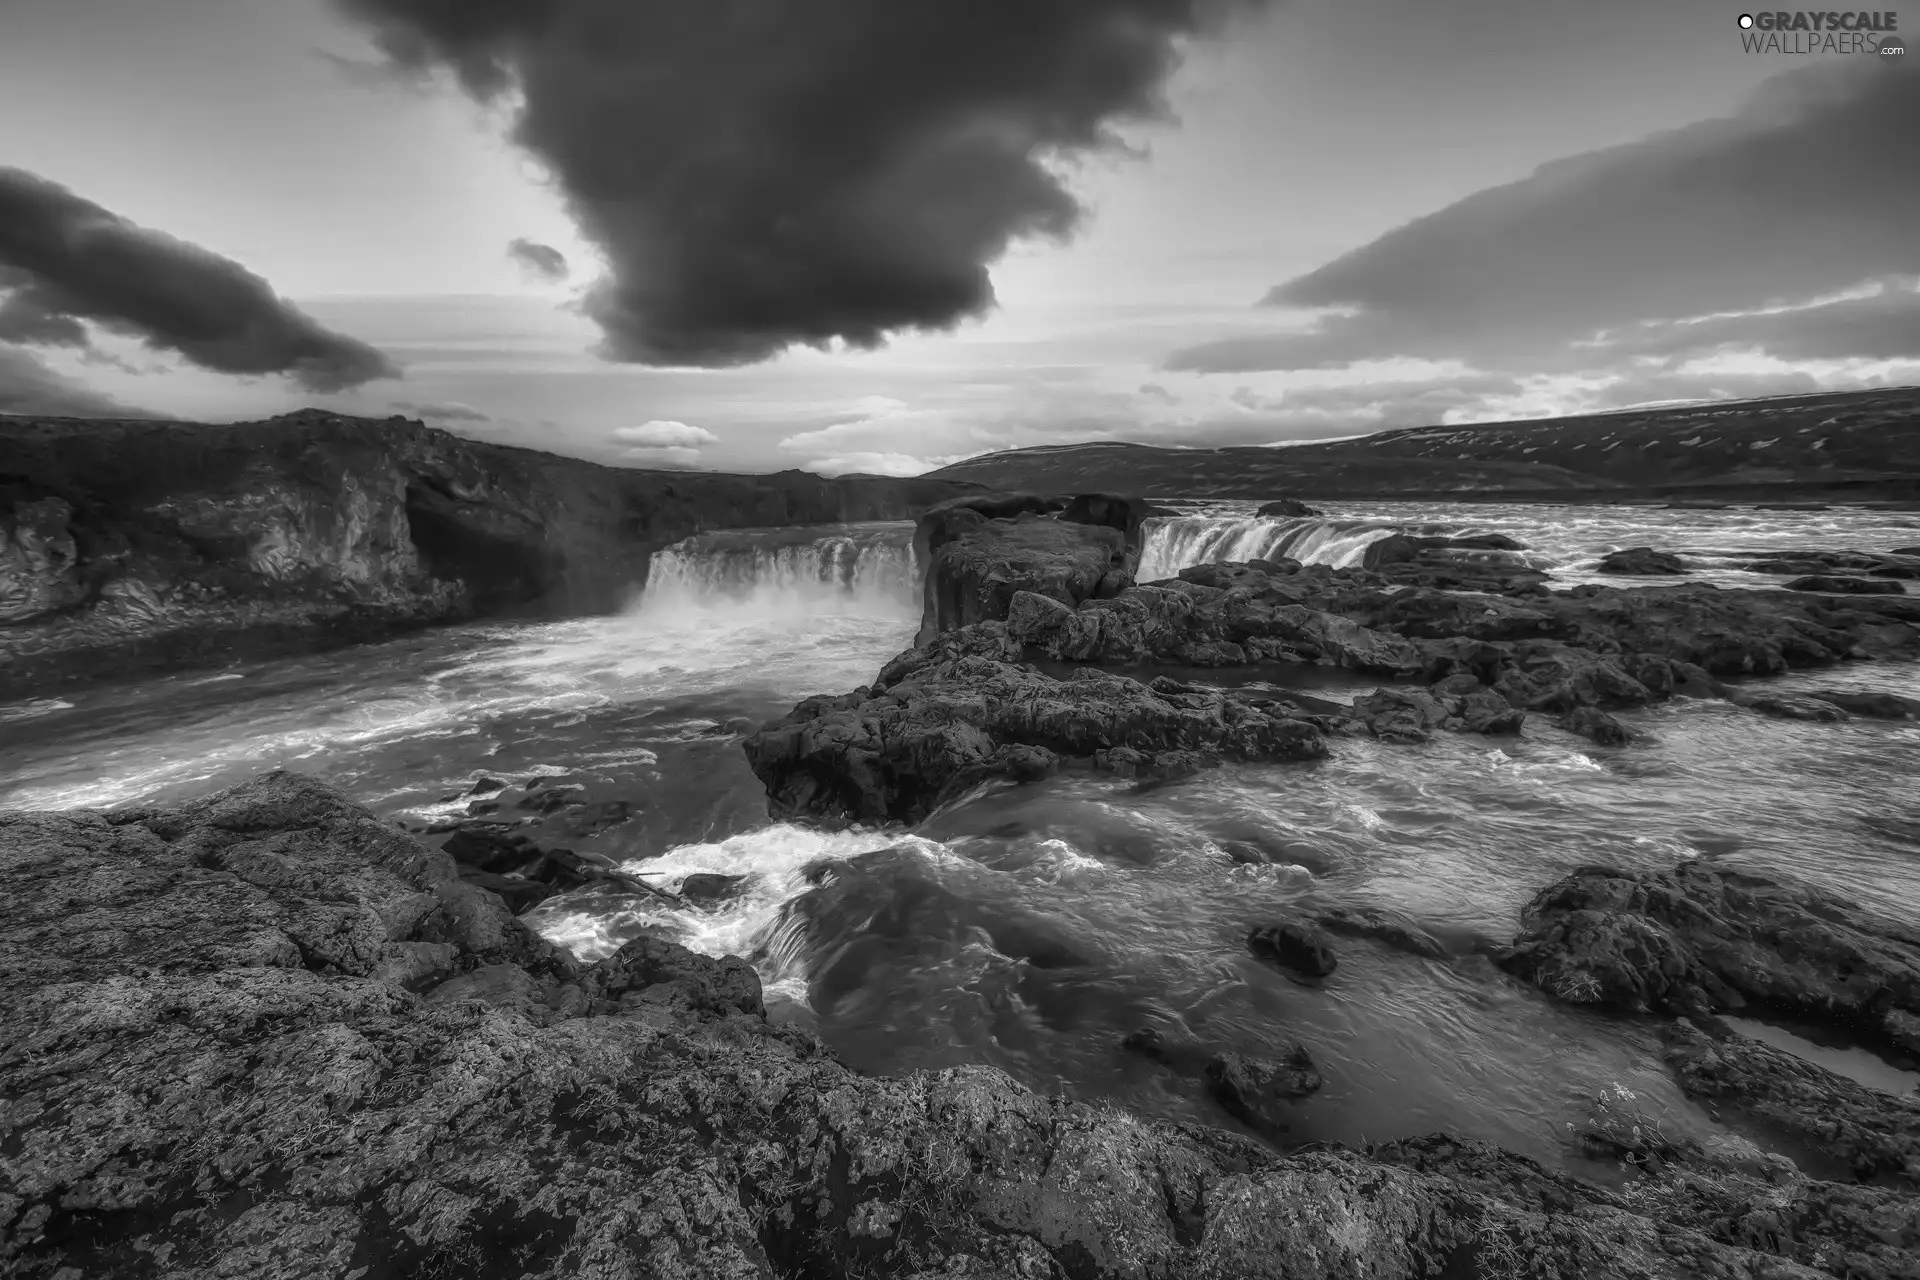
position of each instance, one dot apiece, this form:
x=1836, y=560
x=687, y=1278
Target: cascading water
x=1178, y=542
x=862, y=569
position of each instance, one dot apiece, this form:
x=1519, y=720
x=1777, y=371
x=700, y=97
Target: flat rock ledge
x=264, y=1035
x=972, y=703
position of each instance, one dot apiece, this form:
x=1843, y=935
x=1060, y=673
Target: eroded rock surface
x=263, y=1035
x=1700, y=939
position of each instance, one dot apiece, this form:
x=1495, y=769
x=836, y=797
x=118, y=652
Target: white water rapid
x=1173, y=543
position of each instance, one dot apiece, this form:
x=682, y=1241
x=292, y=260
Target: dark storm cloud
x=65, y=259
x=1804, y=192
x=29, y=387
x=765, y=173
x=542, y=260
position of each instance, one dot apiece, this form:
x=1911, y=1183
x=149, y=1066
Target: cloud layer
x=65, y=260
x=766, y=175
x=662, y=443
x=1800, y=196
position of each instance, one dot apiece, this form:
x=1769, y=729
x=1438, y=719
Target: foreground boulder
x=215, y=1065
x=1287, y=509
x=1642, y=561
x=1701, y=940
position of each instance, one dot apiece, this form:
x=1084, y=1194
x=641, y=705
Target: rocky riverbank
x=266, y=1035
x=156, y=545
x=1467, y=644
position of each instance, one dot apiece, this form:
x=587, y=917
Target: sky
x=850, y=237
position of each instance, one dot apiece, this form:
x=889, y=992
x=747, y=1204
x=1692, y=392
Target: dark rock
x=1393, y=549
x=488, y=848
x=552, y=799
x=1295, y=946
x=1485, y=542
x=974, y=574
x=517, y=892
x=939, y=726
x=1700, y=940
x=1874, y=705
x=591, y=819
x=1848, y=586
x=1124, y=761
x=1383, y=926
x=1112, y=512
x=1907, y=551
x=1591, y=722
x=704, y=887
x=1486, y=711
x=1401, y=716
x=217, y=1063
x=1256, y=1091
x=1287, y=509
x=40, y=562
x=1169, y=765
x=486, y=786
x=1873, y=1133
x=1641, y=561
x=1792, y=706
x=1185, y=1056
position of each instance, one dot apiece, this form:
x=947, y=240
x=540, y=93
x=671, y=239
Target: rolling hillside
x=1846, y=445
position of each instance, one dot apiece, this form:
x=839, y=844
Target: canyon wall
x=139, y=546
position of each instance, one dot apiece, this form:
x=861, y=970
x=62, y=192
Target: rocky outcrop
x=1642, y=561
x=1700, y=940
x=1486, y=661
x=1846, y=584
x=1114, y=512
x=1867, y=1133
x=977, y=565
x=1287, y=509
x=1794, y=563
x=936, y=723
x=264, y=1035
x=131, y=545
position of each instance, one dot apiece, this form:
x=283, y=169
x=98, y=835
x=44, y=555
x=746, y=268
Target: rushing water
x=1033, y=926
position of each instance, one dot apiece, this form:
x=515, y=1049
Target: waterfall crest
x=842, y=569
x=1173, y=543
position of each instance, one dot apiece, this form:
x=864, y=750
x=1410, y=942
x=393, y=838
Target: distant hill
x=1854, y=444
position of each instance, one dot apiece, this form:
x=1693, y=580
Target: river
x=1033, y=926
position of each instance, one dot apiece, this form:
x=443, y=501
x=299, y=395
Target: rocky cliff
x=1858, y=445
x=130, y=544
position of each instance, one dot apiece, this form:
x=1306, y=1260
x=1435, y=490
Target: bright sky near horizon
x=1345, y=225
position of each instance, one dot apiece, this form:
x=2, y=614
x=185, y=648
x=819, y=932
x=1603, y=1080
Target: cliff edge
x=128, y=545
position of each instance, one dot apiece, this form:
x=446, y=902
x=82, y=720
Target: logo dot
x=1746, y=21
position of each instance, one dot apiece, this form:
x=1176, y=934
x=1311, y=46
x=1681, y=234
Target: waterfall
x=841, y=569
x=1174, y=543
